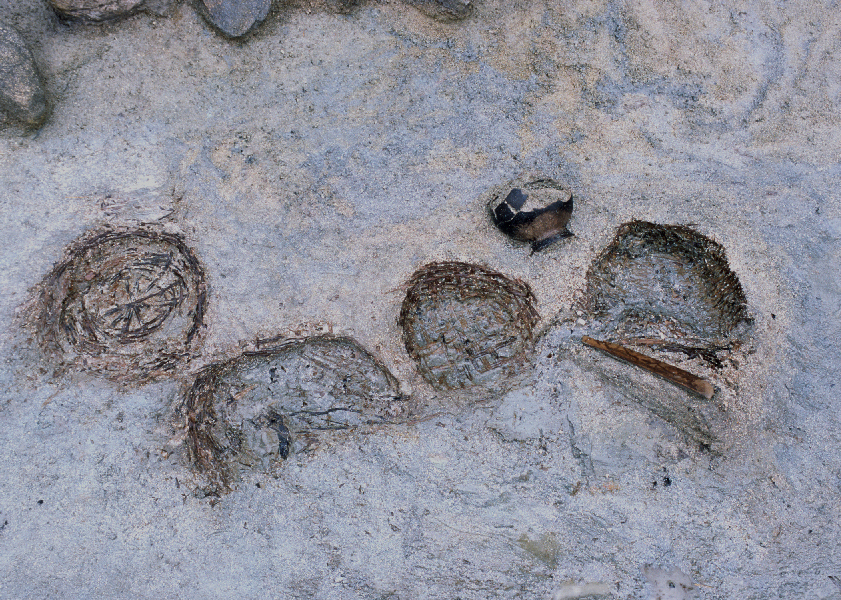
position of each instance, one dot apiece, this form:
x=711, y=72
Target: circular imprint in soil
x=466, y=325
x=667, y=282
x=125, y=303
x=253, y=410
x=535, y=211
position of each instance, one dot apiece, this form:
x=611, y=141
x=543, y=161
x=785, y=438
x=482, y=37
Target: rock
x=21, y=92
x=444, y=10
x=235, y=18
x=93, y=11
x=534, y=211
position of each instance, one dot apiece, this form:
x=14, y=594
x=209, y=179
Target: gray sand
x=312, y=167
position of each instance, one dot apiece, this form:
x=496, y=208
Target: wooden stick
x=671, y=373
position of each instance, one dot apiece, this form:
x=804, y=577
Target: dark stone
x=22, y=95
x=94, y=11
x=235, y=18
x=536, y=212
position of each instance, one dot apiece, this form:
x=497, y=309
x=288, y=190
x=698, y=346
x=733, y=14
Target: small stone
x=22, y=95
x=235, y=18
x=94, y=11
x=532, y=211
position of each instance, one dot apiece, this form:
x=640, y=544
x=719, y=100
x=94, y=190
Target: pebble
x=235, y=18
x=94, y=11
x=22, y=95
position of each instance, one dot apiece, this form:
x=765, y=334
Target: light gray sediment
x=312, y=168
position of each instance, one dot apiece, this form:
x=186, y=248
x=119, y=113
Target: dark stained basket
x=128, y=304
x=467, y=325
x=666, y=281
x=253, y=410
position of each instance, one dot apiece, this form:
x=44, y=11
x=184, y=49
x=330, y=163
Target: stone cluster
x=22, y=95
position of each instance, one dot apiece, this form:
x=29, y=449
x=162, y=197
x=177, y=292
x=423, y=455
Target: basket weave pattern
x=466, y=325
x=666, y=279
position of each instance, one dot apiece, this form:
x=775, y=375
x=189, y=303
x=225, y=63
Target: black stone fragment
x=537, y=212
x=516, y=199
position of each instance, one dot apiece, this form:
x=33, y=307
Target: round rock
x=536, y=211
x=94, y=11
x=235, y=18
x=22, y=95
x=466, y=325
x=125, y=303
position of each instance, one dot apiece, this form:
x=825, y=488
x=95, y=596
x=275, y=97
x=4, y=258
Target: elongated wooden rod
x=671, y=373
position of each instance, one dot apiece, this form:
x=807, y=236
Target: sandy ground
x=312, y=167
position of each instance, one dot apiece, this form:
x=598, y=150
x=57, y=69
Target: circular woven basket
x=667, y=282
x=126, y=303
x=255, y=409
x=467, y=325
